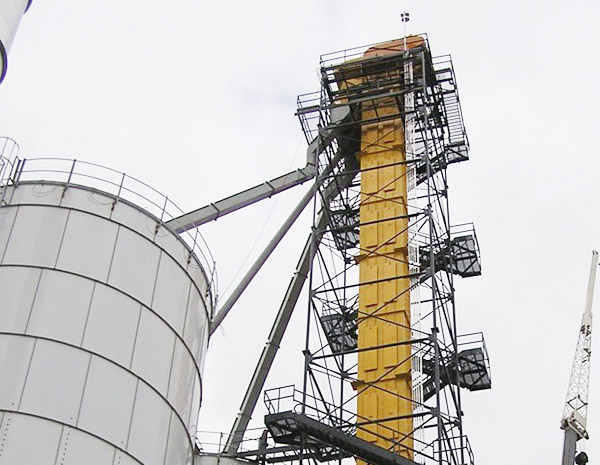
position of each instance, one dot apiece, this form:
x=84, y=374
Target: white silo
x=11, y=12
x=103, y=320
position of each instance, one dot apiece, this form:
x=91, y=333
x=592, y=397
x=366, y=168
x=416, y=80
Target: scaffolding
x=383, y=364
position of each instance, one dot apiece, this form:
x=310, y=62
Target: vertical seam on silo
x=12, y=193
x=175, y=339
x=112, y=252
x=2, y=434
x=189, y=420
x=87, y=317
x=37, y=288
x=137, y=330
x=10, y=209
x=112, y=258
x=27, y=374
x=185, y=318
x=114, y=455
x=87, y=374
x=137, y=387
x=62, y=431
x=15, y=405
x=160, y=254
x=62, y=238
x=168, y=437
x=200, y=397
x=184, y=342
x=12, y=227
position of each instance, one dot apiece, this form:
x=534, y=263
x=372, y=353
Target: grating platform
x=460, y=256
x=326, y=442
x=473, y=373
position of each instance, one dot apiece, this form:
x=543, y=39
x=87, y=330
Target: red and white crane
x=574, y=420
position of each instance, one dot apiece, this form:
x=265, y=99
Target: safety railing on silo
x=69, y=172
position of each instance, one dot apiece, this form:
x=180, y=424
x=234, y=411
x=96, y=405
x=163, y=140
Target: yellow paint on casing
x=384, y=374
x=384, y=388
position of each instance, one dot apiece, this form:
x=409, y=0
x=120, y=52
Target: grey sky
x=197, y=99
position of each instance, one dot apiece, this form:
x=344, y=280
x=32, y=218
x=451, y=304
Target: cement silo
x=103, y=320
x=11, y=12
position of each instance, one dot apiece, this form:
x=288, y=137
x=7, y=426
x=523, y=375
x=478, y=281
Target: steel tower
x=574, y=420
x=384, y=362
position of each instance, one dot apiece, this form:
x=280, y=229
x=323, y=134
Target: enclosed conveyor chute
x=267, y=189
x=263, y=191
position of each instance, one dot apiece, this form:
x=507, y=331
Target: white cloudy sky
x=197, y=99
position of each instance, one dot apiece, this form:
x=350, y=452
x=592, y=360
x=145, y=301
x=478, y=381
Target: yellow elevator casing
x=384, y=387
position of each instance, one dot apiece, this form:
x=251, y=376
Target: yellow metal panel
x=390, y=354
x=384, y=374
x=370, y=340
x=370, y=405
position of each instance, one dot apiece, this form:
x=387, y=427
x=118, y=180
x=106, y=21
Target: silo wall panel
x=18, y=430
x=61, y=307
x=18, y=285
x=113, y=317
x=54, y=444
x=107, y=409
x=15, y=358
x=96, y=247
x=36, y=236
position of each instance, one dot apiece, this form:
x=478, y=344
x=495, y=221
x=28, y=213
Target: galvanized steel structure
x=384, y=362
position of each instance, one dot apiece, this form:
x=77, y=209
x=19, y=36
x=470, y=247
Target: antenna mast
x=574, y=418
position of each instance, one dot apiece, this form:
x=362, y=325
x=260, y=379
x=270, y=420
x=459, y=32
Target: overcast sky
x=198, y=100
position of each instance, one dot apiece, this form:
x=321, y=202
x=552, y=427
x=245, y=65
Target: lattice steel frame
x=438, y=139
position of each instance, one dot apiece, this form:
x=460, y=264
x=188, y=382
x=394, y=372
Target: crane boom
x=574, y=418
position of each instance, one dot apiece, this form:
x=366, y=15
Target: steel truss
x=425, y=100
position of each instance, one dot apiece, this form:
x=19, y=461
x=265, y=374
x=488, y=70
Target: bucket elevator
x=109, y=299
x=384, y=362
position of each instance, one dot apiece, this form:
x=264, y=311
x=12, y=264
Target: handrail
x=123, y=187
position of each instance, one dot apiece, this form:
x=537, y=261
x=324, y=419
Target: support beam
x=303, y=431
x=275, y=336
x=240, y=200
x=260, y=261
x=283, y=316
x=273, y=243
x=569, y=447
